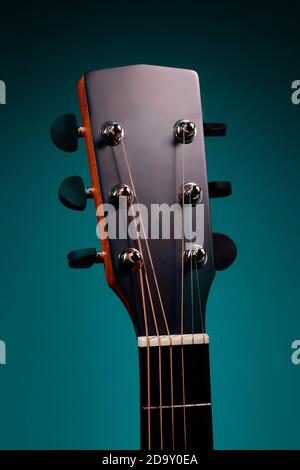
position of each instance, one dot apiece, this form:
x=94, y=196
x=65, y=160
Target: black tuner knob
x=65, y=132
x=214, y=129
x=224, y=251
x=219, y=189
x=73, y=194
x=82, y=259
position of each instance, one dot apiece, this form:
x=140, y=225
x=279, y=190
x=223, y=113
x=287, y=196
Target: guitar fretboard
x=175, y=395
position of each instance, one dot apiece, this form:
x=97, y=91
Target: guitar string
x=200, y=304
x=148, y=358
x=191, y=269
x=161, y=305
x=144, y=271
x=199, y=301
x=153, y=311
x=182, y=310
x=201, y=312
x=182, y=293
x=192, y=292
x=159, y=362
x=148, y=351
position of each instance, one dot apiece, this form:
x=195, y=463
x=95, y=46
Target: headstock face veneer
x=131, y=118
x=148, y=101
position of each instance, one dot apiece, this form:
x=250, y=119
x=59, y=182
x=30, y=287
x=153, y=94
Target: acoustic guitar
x=144, y=135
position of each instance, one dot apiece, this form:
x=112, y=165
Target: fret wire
x=191, y=405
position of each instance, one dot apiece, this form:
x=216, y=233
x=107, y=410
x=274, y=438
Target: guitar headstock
x=144, y=135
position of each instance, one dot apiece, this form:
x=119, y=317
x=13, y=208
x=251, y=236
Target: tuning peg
x=85, y=258
x=225, y=251
x=214, y=129
x=65, y=132
x=219, y=189
x=73, y=194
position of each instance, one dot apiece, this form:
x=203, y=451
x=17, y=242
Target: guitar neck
x=175, y=393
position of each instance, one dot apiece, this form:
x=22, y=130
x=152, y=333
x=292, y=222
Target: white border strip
x=174, y=340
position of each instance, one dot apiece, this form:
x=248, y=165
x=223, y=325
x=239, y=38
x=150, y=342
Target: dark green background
x=71, y=380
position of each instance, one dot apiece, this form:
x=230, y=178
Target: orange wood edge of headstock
x=97, y=191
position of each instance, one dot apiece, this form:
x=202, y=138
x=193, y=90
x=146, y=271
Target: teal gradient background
x=71, y=379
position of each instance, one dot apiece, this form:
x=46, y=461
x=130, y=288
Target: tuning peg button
x=219, y=189
x=85, y=258
x=214, y=129
x=65, y=132
x=225, y=251
x=73, y=194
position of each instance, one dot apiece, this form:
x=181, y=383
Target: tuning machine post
x=196, y=256
x=121, y=193
x=190, y=193
x=185, y=131
x=112, y=133
x=131, y=260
